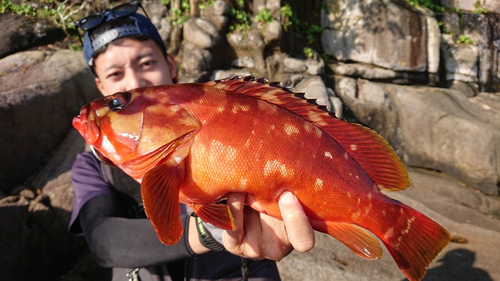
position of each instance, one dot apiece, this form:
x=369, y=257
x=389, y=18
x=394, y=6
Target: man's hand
x=259, y=236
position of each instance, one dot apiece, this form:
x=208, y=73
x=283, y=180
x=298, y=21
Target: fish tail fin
x=414, y=242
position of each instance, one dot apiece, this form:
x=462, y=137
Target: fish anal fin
x=217, y=214
x=359, y=240
x=160, y=195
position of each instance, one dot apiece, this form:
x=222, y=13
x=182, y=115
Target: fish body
x=195, y=143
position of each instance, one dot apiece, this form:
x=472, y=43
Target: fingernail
x=287, y=197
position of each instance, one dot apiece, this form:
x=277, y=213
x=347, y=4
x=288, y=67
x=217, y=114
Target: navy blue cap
x=143, y=26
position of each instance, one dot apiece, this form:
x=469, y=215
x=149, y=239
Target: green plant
x=20, y=9
x=427, y=4
x=264, y=16
x=466, y=40
x=286, y=13
x=478, y=9
x=308, y=52
x=203, y=5
x=60, y=12
x=240, y=20
x=180, y=16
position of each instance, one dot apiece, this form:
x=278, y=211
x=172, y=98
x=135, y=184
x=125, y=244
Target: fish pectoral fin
x=359, y=240
x=217, y=214
x=160, y=195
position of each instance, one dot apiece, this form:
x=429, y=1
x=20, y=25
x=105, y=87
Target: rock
x=272, y=32
x=480, y=32
x=201, y=33
x=311, y=66
x=384, y=33
x=40, y=93
x=217, y=14
x=244, y=62
x=433, y=40
x=461, y=62
x=314, y=88
x=431, y=128
x=54, y=179
x=492, y=6
x=20, y=33
x=293, y=65
x=220, y=74
x=249, y=44
x=195, y=59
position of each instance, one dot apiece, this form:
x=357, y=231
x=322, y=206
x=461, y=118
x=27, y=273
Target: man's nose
x=134, y=80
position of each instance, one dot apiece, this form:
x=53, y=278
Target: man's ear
x=173, y=67
x=99, y=86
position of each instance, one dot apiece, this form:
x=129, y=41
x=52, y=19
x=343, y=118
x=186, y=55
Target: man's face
x=132, y=64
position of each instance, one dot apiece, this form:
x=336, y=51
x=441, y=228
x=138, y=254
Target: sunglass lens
x=91, y=21
x=124, y=10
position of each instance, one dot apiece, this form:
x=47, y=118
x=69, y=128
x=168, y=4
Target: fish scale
x=199, y=142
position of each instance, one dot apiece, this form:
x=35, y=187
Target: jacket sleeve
x=114, y=240
x=120, y=242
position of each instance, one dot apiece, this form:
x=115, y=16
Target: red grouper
x=194, y=143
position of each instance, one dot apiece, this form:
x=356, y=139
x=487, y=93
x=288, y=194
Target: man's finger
x=299, y=230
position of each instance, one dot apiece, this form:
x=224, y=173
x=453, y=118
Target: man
x=124, y=51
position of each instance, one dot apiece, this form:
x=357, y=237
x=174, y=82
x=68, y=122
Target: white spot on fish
x=389, y=233
x=357, y=177
x=359, y=201
x=291, y=129
x=247, y=143
x=328, y=154
x=220, y=108
x=348, y=195
x=353, y=147
x=384, y=213
x=346, y=156
x=242, y=107
x=318, y=186
x=318, y=132
x=356, y=215
x=275, y=166
x=308, y=127
x=243, y=183
x=408, y=225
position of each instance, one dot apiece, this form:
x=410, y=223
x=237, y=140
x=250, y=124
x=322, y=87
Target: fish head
x=132, y=125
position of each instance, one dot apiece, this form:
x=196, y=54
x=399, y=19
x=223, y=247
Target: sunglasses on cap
x=120, y=11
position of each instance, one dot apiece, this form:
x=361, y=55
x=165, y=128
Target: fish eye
x=119, y=101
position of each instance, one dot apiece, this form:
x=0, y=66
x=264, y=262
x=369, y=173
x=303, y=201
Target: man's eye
x=119, y=101
x=148, y=63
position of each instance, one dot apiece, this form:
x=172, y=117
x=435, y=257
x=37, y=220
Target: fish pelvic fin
x=218, y=215
x=359, y=240
x=370, y=150
x=414, y=242
x=160, y=195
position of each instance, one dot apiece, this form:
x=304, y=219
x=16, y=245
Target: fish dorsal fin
x=372, y=152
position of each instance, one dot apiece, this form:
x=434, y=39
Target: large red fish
x=197, y=142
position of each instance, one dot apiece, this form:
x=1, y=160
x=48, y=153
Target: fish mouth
x=86, y=125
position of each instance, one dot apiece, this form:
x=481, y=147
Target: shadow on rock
x=457, y=265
